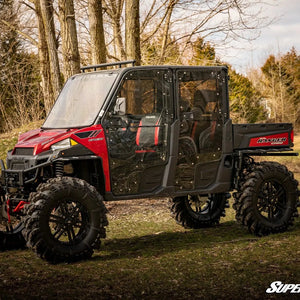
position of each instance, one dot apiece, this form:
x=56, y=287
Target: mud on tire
x=198, y=211
x=267, y=200
x=65, y=220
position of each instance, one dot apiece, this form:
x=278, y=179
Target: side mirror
x=120, y=106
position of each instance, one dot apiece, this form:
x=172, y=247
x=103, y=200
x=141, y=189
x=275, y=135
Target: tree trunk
x=118, y=39
x=166, y=31
x=70, y=52
x=114, y=9
x=117, y=9
x=98, y=47
x=44, y=60
x=132, y=30
x=48, y=21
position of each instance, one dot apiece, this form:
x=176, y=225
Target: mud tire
x=65, y=220
x=191, y=212
x=267, y=200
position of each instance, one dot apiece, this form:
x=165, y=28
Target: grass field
x=146, y=255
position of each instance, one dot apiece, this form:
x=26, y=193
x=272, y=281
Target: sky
x=278, y=37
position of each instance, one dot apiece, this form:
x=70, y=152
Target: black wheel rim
x=271, y=202
x=68, y=222
x=199, y=205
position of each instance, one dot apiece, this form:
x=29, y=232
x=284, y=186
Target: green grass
x=146, y=255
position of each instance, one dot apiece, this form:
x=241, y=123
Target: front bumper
x=16, y=178
x=22, y=169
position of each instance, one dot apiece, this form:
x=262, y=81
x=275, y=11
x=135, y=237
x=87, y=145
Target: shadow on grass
x=167, y=242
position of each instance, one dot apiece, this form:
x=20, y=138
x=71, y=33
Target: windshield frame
x=108, y=95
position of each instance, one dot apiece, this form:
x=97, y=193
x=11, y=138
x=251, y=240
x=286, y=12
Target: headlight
x=64, y=144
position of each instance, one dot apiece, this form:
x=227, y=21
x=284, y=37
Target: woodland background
x=43, y=42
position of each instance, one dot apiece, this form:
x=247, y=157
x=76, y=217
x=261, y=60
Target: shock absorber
x=59, y=169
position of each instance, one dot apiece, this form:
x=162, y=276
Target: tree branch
x=33, y=41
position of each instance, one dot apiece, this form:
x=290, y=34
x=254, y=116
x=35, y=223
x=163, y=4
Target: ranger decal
x=281, y=139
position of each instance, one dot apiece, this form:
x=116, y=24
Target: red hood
x=92, y=137
x=41, y=140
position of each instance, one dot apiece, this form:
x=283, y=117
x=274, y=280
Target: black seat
x=149, y=133
x=149, y=136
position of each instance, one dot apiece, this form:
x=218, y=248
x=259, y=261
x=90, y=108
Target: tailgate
x=277, y=135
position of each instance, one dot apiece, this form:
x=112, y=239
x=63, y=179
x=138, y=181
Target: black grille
x=18, y=166
x=23, y=151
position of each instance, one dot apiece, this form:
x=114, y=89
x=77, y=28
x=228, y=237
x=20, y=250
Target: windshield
x=80, y=100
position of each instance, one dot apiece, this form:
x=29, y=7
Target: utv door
x=137, y=130
x=200, y=92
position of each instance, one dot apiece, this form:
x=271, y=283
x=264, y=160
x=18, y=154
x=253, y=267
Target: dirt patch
x=128, y=207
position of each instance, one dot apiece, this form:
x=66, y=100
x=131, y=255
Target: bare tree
x=44, y=59
x=132, y=30
x=220, y=21
x=98, y=47
x=70, y=53
x=165, y=35
x=48, y=21
x=114, y=9
x=20, y=90
x=29, y=35
x=170, y=24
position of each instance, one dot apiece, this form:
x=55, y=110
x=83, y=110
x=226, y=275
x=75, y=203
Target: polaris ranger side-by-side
x=138, y=132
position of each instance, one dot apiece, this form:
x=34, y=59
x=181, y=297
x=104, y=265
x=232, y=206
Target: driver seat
x=149, y=134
